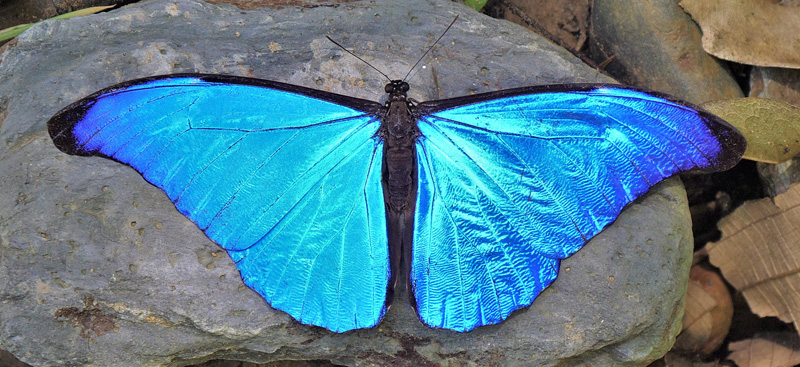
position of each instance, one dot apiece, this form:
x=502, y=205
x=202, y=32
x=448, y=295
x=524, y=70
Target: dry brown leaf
x=708, y=315
x=759, y=254
x=777, y=349
x=763, y=33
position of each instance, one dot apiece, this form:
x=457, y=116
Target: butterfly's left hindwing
x=512, y=182
x=287, y=179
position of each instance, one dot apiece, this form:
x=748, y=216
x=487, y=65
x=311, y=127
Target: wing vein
x=369, y=223
x=130, y=110
x=517, y=156
x=505, y=252
x=460, y=235
x=678, y=131
x=595, y=184
x=506, y=195
x=313, y=262
x=663, y=153
x=293, y=183
x=306, y=193
x=232, y=197
x=211, y=162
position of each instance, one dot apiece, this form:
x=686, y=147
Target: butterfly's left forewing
x=287, y=179
x=512, y=182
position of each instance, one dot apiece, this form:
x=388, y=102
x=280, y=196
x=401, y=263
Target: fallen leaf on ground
x=776, y=349
x=759, y=254
x=708, y=315
x=763, y=33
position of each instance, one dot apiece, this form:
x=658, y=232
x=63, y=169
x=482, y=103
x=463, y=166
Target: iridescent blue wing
x=513, y=181
x=285, y=178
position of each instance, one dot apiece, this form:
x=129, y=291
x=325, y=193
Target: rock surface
x=775, y=83
x=656, y=45
x=97, y=268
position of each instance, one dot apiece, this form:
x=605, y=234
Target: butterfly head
x=397, y=89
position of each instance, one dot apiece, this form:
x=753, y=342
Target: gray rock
x=776, y=83
x=656, y=45
x=99, y=269
x=777, y=178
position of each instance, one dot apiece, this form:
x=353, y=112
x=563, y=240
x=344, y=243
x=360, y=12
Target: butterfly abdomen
x=400, y=173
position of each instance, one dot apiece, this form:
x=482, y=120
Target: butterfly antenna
x=430, y=48
x=356, y=56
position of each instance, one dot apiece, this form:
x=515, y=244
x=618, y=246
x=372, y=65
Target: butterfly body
x=326, y=202
x=399, y=133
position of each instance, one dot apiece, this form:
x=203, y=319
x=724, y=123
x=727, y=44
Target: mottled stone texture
x=656, y=45
x=97, y=268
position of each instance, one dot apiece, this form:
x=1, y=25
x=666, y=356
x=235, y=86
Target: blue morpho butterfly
x=324, y=200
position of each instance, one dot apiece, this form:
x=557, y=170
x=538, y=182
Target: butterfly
x=326, y=202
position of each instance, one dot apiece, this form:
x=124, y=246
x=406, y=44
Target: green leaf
x=475, y=4
x=81, y=12
x=772, y=128
x=9, y=33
